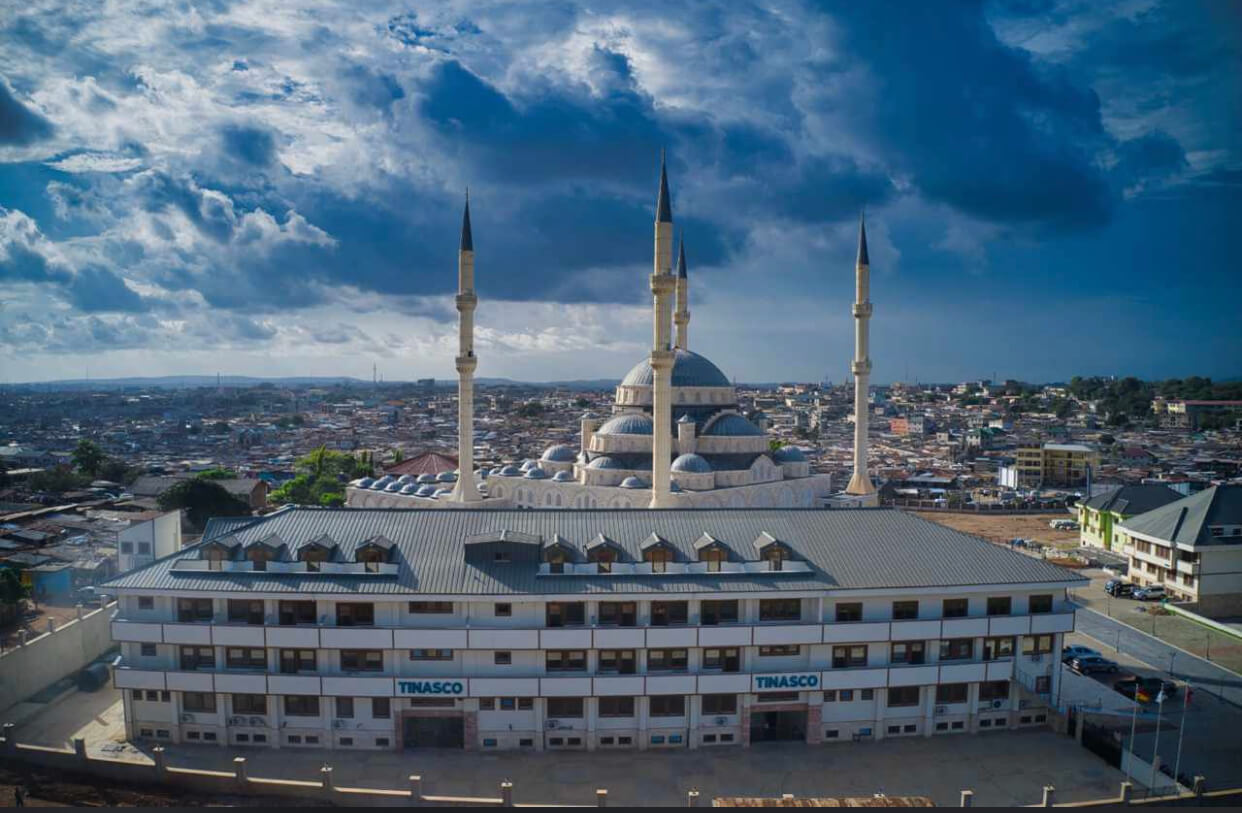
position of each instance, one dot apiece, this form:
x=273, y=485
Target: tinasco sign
x=771, y=683
x=449, y=688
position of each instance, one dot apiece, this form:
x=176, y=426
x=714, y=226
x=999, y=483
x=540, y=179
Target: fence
x=41, y=661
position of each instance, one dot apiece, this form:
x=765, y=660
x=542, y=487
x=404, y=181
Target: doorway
x=434, y=732
x=777, y=726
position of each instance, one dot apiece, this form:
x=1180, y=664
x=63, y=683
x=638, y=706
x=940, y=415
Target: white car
x=1154, y=593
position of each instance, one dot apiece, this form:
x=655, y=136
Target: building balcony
x=1189, y=568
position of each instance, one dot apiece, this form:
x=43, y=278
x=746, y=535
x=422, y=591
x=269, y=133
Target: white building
x=485, y=629
x=143, y=542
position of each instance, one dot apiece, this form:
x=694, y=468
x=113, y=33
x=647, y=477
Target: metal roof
x=1189, y=520
x=1137, y=499
x=845, y=549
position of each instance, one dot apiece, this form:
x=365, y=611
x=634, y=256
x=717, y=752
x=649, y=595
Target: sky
x=274, y=187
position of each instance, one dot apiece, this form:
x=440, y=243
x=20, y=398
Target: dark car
x=1150, y=686
x=1118, y=588
x=1086, y=664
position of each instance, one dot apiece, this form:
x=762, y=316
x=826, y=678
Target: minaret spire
x=681, y=313
x=663, y=284
x=465, y=490
x=860, y=483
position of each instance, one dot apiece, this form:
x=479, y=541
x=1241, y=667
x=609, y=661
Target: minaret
x=681, y=316
x=662, y=287
x=465, y=490
x=860, y=484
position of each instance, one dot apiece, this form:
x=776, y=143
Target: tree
x=88, y=457
x=57, y=480
x=202, y=500
x=775, y=444
x=12, y=593
x=118, y=471
x=581, y=403
x=398, y=454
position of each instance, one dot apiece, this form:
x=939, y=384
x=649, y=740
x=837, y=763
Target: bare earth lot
x=1005, y=527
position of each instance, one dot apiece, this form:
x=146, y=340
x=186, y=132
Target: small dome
x=692, y=463
x=409, y=488
x=633, y=482
x=446, y=477
x=536, y=474
x=426, y=491
x=510, y=471
x=528, y=464
x=674, y=488
x=605, y=462
x=393, y=487
x=563, y=476
x=560, y=453
x=689, y=370
x=789, y=454
x=587, y=416
x=732, y=425
x=382, y=483
x=485, y=473
x=440, y=492
x=426, y=478
x=631, y=423
x=365, y=482
x=405, y=478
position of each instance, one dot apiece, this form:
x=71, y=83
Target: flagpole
x=1155, y=749
x=1133, y=723
x=1181, y=731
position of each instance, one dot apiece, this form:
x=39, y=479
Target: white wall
x=28, y=669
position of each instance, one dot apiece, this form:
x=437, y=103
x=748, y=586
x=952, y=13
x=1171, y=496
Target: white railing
x=299, y=568
x=674, y=568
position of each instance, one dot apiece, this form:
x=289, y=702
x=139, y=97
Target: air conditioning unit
x=942, y=709
x=187, y=718
x=996, y=704
x=338, y=723
x=1035, y=658
x=552, y=725
x=237, y=721
x=722, y=720
x=257, y=721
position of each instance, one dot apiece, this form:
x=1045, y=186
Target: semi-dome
x=692, y=463
x=446, y=477
x=560, y=453
x=563, y=476
x=426, y=490
x=605, y=462
x=632, y=482
x=630, y=423
x=536, y=474
x=528, y=464
x=689, y=370
x=409, y=488
x=382, y=483
x=365, y=482
x=510, y=471
x=405, y=478
x=443, y=492
x=394, y=487
x=426, y=478
x=732, y=425
x=789, y=454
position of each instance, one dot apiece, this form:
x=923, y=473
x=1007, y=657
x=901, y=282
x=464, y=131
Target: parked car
x=1154, y=593
x=1076, y=651
x=1117, y=588
x=1086, y=664
x=1151, y=686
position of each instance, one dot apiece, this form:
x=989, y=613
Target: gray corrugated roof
x=1189, y=520
x=1137, y=499
x=846, y=550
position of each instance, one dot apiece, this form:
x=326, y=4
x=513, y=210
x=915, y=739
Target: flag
x=1142, y=695
x=1160, y=697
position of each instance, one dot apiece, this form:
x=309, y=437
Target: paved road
x=1203, y=675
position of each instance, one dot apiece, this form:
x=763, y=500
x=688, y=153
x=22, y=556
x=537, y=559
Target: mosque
x=676, y=437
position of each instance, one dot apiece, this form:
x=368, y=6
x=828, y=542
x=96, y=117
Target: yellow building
x=1054, y=465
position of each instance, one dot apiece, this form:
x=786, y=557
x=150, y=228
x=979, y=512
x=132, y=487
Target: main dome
x=689, y=370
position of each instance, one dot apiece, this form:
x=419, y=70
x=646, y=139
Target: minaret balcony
x=662, y=360
x=861, y=367
x=862, y=309
x=663, y=284
x=467, y=301
x=467, y=364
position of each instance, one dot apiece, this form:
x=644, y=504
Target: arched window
x=604, y=557
x=775, y=556
x=714, y=557
x=659, y=558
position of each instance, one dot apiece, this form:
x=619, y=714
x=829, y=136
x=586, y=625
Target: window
x=525, y=703
x=502, y=658
x=245, y=611
x=777, y=697
x=503, y=610
x=362, y=660
x=603, y=557
x=508, y=703
x=780, y=609
x=526, y=743
x=345, y=707
x=616, y=707
x=144, y=548
x=618, y=613
x=259, y=557
x=712, y=613
x=502, y=557
x=775, y=556
x=380, y=742
x=566, y=614
x=667, y=660
x=867, y=694
x=667, y=705
x=908, y=652
x=619, y=661
x=846, y=656
x=198, y=657
x=714, y=557
x=952, y=692
x=127, y=547
x=567, y=707
x=556, y=560
x=313, y=555
x=355, y=614
x=903, y=696
x=381, y=708
x=431, y=607
x=996, y=648
x=245, y=658
x=146, y=603
x=846, y=695
x=994, y=690
x=956, y=608
x=299, y=705
x=292, y=613
x=669, y=613
x=293, y=661
x=487, y=704
x=194, y=610
x=658, y=558
x=726, y=660
x=147, y=650
x=832, y=733
x=431, y=654
x=957, y=649
x=1043, y=685
x=198, y=701
x=720, y=704
x=346, y=741
x=999, y=605
x=779, y=650
x=1039, y=604
x=566, y=660
x=905, y=610
x=849, y=611
x=1036, y=644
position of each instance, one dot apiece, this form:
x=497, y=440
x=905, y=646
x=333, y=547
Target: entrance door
x=434, y=732
x=774, y=726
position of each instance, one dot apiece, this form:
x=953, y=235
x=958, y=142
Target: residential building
x=1191, y=547
x=484, y=629
x=1051, y=465
x=1099, y=515
x=143, y=542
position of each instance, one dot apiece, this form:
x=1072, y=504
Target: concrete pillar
x=506, y=793
x=1199, y=785
x=79, y=748
x=539, y=718
x=77, y=611
x=22, y=636
x=325, y=778
x=694, y=717
x=1080, y=726
x=968, y=798
x=644, y=739
x=1126, y=790
x=814, y=718
x=161, y=763
x=239, y=770
x=692, y=799
x=51, y=625
x=10, y=742
x=1049, y=796
x=416, y=789
x=590, y=708
x=601, y=797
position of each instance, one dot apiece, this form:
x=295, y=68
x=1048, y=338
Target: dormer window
x=556, y=559
x=313, y=556
x=714, y=557
x=372, y=557
x=215, y=557
x=604, y=558
x=775, y=556
x=259, y=557
x=658, y=558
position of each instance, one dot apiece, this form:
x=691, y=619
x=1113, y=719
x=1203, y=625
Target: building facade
x=486, y=629
x=1050, y=465
x=1099, y=516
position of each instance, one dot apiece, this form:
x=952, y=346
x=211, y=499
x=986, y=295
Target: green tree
x=118, y=471
x=58, y=480
x=88, y=457
x=398, y=454
x=775, y=444
x=581, y=403
x=12, y=594
x=202, y=500
x=217, y=474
